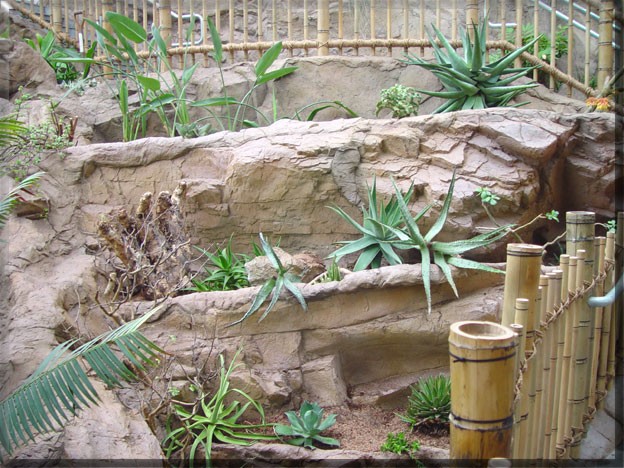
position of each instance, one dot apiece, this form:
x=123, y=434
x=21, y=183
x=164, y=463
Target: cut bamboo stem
x=482, y=356
x=599, y=247
x=556, y=351
x=613, y=325
x=521, y=408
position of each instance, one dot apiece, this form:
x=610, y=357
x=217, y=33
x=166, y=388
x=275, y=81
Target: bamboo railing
x=566, y=343
x=353, y=27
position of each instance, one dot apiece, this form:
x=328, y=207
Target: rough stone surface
x=28, y=68
x=279, y=180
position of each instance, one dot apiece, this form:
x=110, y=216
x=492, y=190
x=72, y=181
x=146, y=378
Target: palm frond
x=7, y=203
x=60, y=384
x=10, y=130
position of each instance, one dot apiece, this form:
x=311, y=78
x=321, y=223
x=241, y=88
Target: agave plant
x=273, y=286
x=60, y=384
x=443, y=254
x=471, y=83
x=429, y=403
x=377, y=235
x=306, y=427
x=228, y=273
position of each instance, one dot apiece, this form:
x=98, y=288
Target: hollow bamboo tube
x=598, y=312
x=550, y=357
x=472, y=16
x=571, y=53
x=482, y=357
x=580, y=353
x=518, y=34
x=323, y=27
x=164, y=15
x=521, y=408
x=568, y=369
x=556, y=350
x=57, y=16
x=619, y=318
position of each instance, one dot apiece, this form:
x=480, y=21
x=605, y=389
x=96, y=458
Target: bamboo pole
x=454, y=20
x=603, y=360
x=535, y=34
x=472, y=16
x=323, y=27
x=421, y=25
x=373, y=34
x=406, y=23
x=613, y=326
x=164, y=15
x=542, y=364
x=605, y=43
x=56, y=16
x=581, y=371
x=587, y=45
x=232, y=25
x=482, y=357
x=619, y=252
x=553, y=33
x=570, y=64
x=522, y=280
x=599, y=248
x=274, y=19
x=289, y=22
x=556, y=348
x=566, y=379
x=389, y=25
x=518, y=36
x=521, y=408
x=580, y=236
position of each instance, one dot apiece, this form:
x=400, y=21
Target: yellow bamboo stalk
x=587, y=45
x=570, y=64
x=389, y=25
x=164, y=16
x=556, y=351
x=231, y=18
x=518, y=36
x=599, y=248
x=522, y=280
x=605, y=342
x=482, y=357
x=542, y=363
x=290, y=24
x=421, y=24
x=553, y=34
x=274, y=18
x=581, y=368
x=565, y=408
x=246, y=26
x=454, y=20
x=323, y=27
x=472, y=16
x=521, y=408
x=406, y=23
x=619, y=240
x=373, y=34
x=611, y=360
x=536, y=10
x=580, y=236
x=605, y=43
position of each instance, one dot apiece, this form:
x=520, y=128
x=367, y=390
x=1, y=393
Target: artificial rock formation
x=365, y=338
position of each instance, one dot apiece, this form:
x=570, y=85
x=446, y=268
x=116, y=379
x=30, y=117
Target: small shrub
x=429, y=405
x=228, y=273
x=397, y=443
x=306, y=427
x=403, y=101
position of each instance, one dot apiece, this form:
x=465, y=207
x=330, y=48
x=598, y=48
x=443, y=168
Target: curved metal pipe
x=610, y=297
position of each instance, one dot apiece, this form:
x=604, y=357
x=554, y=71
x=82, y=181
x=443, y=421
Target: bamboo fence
x=566, y=356
x=354, y=27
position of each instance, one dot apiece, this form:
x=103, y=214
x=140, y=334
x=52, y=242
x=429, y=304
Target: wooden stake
x=482, y=359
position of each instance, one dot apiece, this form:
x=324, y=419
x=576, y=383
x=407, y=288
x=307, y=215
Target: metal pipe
x=610, y=297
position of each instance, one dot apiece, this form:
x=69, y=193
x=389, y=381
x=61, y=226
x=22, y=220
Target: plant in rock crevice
x=470, y=82
x=429, y=405
x=403, y=101
x=213, y=417
x=227, y=272
x=376, y=241
x=273, y=286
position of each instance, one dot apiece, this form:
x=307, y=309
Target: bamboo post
x=603, y=360
x=556, y=348
x=567, y=369
x=164, y=14
x=482, y=359
x=619, y=253
x=581, y=370
x=323, y=27
x=613, y=326
x=521, y=408
x=605, y=43
x=56, y=16
x=518, y=35
x=472, y=16
x=542, y=361
x=553, y=36
x=522, y=280
x=599, y=248
x=580, y=236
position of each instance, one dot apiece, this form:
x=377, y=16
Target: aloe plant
x=377, y=238
x=273, y=287
x=214, y=417
x=470, y=82
x=306, y=427
x=60, y=385
x=429, y=403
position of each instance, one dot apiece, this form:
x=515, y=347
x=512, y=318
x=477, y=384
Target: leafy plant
x=392, y=226
x=397, y=443
x=8, y=202
x=306, y=427
x=487, y=197
x=377, y=236
x=273, y=287
x=429, y=404
x=471, y=83
x=60, y=58
x=214, y=417
x=403, y=101
x=10, y=130
x=229, y=272
x=60, y=384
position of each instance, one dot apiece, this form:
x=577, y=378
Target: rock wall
x=364, y=338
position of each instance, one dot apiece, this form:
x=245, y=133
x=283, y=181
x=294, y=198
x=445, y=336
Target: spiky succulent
x=470, y=83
